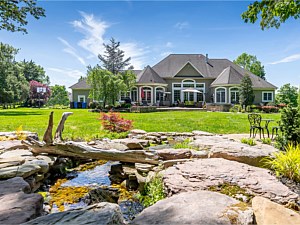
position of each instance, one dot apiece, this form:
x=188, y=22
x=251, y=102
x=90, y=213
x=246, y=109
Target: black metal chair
x=255, y=124
x=275, y=130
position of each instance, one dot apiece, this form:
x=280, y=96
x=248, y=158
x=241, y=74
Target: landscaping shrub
x=270, y=109
x=248, y=141
x=113, y=122
x=153, y=192
x=289, y=126
x=236, y=108
x=286, y=163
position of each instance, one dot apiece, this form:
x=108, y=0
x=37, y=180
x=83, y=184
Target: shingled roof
x=228, y=76
x=148, y=75
x=80, y=85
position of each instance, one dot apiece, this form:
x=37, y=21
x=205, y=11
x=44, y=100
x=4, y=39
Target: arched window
x=221, y=95
x=234, y=95
x=146, y=94
x=134, y=94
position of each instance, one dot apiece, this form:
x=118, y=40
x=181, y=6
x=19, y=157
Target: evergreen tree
x=32, y=71
x=298, y=100
x=246, y=93
x=113, y=59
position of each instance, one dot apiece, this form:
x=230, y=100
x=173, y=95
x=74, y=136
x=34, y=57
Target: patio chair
x=255, y=124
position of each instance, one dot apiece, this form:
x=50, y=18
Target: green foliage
x=286, y=163
x=236, y=108
x=13, y=85
x=32, y=71
x=183, y=144
x=248, y=141
x=13, y=14
x=288, y=95
x=252, y=64
x=153, y=192
x=272, y=13
x=59, y=96
x=266, y=141
x=113, y=59
x=298, y=98
x=290, y=125
x=246, y=91
x=113, y=122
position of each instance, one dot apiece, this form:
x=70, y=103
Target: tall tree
x=298, y=99
x=14, y=13
x=246, y=93
x=59, y=96
x=251, y=63
x=113, y=58
x=39, y=93
x=272, y=12
x=105, y=86
x=32, y=71
x=287, y=94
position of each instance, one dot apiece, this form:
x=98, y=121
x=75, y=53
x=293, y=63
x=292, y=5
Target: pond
x=82, y=188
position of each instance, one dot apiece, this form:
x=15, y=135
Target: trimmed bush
x=113, y=122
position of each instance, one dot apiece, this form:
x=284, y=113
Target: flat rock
x=49, y=159
x=15, y=136
x=101, y=213
x=12, y=145
x=222, y=147
x=133, y=143
x=18, y=160
x=171, y=153
x=201, y=133
x=197, y=207
x=201, y=174
x=16, y=154
x=138, y=132
x=16, y=206
x=41, y=163
x=24, y=171
x=143, y=168
x=267, y=212
x=108, y=145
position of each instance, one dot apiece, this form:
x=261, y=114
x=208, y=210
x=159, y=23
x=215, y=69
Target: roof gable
x=81, y=84
x=188, y=70
x=228, y=76
x=148, y=75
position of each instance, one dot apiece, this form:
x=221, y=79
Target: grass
x=83, y=124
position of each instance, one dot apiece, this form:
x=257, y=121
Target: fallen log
x=81, y=150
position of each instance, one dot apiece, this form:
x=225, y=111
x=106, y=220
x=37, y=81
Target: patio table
x=267, y=125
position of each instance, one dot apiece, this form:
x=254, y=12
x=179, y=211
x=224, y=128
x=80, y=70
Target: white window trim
x=137, y=93
x=140, y=95
x=264, y=92
x=81, y=96
x=155, y=92
x=225, y=95
x=229, y=100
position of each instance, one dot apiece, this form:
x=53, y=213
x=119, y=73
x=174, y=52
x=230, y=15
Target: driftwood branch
x=81, y=150
x=58, y=133
x=48, y=137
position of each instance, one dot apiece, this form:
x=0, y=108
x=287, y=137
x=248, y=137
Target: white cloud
x=68, y=72
x=169, y=44
x=288, y=59
x=182, y=25
x=93, y=30
x=71, y=50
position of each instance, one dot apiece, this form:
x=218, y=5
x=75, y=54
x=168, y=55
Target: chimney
x=206, y=58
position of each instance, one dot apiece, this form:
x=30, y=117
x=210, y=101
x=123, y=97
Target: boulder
x=133, y=143
x=16, y=206
x=197, y=207
x=101, y=213
x=222, y=147
x=24, y=171
x=201, y=174
x=171, y=153
x=267, y=212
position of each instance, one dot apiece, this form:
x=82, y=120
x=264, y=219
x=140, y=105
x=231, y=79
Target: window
x=234, y=96
x=81, y=98
x=146, y=93
x=177, y=85
x=267, y=96
x=159, y=94
x=134, y=94
x=176, y=95
x=220, y=95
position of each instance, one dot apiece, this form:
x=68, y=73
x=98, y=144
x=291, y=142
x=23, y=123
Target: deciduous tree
x=39, y=93
x=246, y=91
x=287, y=94
x=59, y=96
x=32, y=71
x=272, y=13
x=14, y=13
x=252, y=64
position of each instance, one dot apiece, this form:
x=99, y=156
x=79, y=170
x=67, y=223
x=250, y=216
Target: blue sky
x=71, y=36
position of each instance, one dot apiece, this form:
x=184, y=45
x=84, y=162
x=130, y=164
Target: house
x=189, y=78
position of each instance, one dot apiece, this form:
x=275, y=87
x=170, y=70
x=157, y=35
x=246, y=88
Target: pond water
x=69, y=194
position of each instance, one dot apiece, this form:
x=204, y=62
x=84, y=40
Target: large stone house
x=189, y=78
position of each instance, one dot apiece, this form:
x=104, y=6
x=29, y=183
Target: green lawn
x=84, y=124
